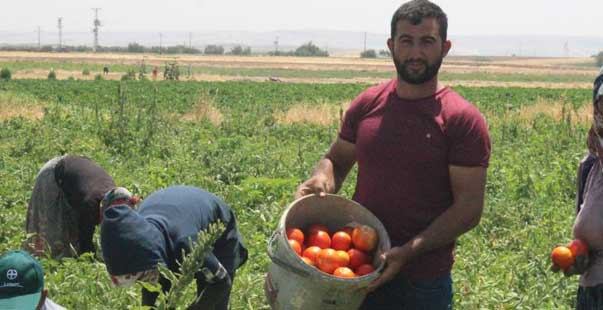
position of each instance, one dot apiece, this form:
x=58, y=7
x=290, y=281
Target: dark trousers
x=214, y=296
x=402, y=293
x=589, y=298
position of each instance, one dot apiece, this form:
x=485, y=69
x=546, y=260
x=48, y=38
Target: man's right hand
x=315, y=185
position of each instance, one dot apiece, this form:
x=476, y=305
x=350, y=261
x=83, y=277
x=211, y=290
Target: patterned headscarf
x=116, y=197
x=595, y=134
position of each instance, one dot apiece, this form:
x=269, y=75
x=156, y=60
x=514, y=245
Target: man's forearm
x=446, y=228
x=331, y=174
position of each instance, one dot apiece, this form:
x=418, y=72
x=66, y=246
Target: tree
x=135, y=48
x=385, y=53
x=239, y=50
x=309, y=49
x=599, y=59
x=214, y=50
x=368, y=54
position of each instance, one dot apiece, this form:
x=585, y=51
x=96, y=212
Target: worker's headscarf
x=595, y=135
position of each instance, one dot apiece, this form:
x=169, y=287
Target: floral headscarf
x=595, y=134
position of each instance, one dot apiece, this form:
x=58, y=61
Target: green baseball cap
x=21, y=281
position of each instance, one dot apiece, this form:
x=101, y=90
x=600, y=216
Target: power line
x=97, y=23
x=60, y=25
x=39, y=36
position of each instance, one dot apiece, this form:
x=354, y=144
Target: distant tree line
x=306, y=50
x=133, y=48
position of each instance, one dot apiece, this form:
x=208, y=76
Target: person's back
x=183, y=211
x=157, y=233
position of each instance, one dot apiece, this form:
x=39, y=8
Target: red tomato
x=364, y=269
x=357, y=258
x=320, y=239
x=295, y=234
x=341, y=241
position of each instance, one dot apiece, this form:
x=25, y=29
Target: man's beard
x=411, y=77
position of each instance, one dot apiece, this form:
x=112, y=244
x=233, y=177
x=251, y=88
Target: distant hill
x=336, y=42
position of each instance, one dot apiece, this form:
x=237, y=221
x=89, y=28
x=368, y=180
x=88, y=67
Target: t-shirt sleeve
x=470, y=141
x=352, y=117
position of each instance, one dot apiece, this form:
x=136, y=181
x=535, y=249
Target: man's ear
x=43, y=296
x=446, y=46
x=390, y=45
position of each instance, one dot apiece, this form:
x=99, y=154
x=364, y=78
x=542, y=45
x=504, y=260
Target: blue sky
x=466, y=17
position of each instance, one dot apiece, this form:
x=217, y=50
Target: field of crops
x=231, y=138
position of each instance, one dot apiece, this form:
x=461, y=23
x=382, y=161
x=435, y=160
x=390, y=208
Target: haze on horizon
x=466, y=17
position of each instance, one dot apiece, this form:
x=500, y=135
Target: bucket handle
x=280, y=262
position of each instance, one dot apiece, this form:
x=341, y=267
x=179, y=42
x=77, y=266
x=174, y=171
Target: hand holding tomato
x=572, y=259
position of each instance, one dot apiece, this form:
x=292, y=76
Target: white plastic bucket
x=293, y=284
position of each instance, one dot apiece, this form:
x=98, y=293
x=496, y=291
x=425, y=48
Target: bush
x=5, y=74
x=172, y=71
x=239, y=50
x=309, y=49
x=52, y=75
x=368, y=54
x=131, y=75
x=86, y=72
x=385, y=53
x=599, y=59
x=98, y=77
x=214, y=50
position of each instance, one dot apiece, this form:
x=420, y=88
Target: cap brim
x=23, y=302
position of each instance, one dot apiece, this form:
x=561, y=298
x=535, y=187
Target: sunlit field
x=250, y=139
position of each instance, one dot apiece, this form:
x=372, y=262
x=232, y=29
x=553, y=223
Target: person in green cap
x=22, y=283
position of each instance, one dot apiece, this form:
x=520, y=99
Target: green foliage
x=85, y=72
x=368, y=54
x=190, y=265
x=98, y=77
x=172, y=71
x=135, y=48
x=240, y=50
x=5, y=74
x=385, y=53
x=52, y=75
x=214, y=50
x=599, y=59
x=135, y=131
x=129, y=76
x=309, y=49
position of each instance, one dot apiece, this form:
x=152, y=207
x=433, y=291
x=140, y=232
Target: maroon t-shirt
x=403, y=150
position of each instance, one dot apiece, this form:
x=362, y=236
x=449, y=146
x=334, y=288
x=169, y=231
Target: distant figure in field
x=105, y=70
x=64, y=206
x=155, y=73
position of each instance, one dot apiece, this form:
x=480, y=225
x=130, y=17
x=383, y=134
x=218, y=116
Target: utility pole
x=60, y=33
x=160, y=42
x=566, y=50
x=364, y=42
x=276, y=46
x=97, y=23
x=190, y=40
x=39, y=36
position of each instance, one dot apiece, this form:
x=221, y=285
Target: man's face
x=418, y=50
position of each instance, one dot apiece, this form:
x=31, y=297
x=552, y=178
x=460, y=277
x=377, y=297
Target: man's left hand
x=395, y=259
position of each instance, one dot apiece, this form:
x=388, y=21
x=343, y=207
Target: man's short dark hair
x=414, y=11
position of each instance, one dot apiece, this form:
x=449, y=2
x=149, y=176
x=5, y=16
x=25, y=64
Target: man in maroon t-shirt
x=422, y=153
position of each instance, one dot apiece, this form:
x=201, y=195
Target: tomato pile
x=347, y=253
